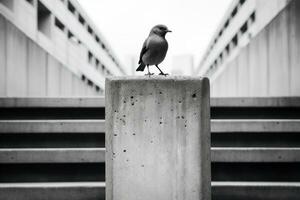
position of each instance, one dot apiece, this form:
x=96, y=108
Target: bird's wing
x=143, y=51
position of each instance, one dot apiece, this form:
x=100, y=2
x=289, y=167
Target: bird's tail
x=141, y=67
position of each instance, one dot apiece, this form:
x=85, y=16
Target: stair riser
x=62, y=172
x=52, y=113
x=50, y=140
x=255, y=193
x=98, y=113
x=81, y=140
x=280, y=172
x=53, y=193
x=66, y=172
x=268, y=139
x=255, y=113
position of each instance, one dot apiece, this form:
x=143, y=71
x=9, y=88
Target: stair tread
x=52, y=126
x=52, y=155
x=262, y=125
x=255, y=154
x=52, y=184
x=219, y=154
x=253, y=184
x=255, y=102
x=102, y=184
x=48, y=126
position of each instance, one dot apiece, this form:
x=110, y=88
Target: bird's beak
x=169, y=31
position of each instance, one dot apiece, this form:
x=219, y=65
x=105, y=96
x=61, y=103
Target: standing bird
x=154, y=49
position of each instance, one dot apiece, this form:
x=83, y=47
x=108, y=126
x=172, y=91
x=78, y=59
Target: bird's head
x=160, y=30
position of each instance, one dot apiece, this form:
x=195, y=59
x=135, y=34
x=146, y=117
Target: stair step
x=51, y=140
x=93, y=108
x=93, y=126
x=96, y=190
x=255, y=139
x=52, y=108
x=255, y=190
x=219, y=154
x=95, y=155
x=56, y=102
x=51, y=172
x=50, y=102
x=221, y=126
x=53, y=155
x=52, y=126
x=255, y=102
x=255, y=108
x=53, y=191
x=256, y=171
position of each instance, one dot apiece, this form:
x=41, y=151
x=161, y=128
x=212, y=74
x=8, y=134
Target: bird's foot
x=149, y=74
x=163, y=74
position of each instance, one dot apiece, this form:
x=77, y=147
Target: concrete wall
x=27, y=70
x=270, y=64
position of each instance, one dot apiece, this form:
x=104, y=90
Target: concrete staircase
x=255, y=148
x=53, y=148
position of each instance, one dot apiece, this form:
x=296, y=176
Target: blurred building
x=255, y=50
x=182, y=65
x=52, y=48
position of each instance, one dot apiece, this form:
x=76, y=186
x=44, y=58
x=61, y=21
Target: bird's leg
x=161, y=72
x=149, y=74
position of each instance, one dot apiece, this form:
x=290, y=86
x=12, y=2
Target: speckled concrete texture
x=157, y=138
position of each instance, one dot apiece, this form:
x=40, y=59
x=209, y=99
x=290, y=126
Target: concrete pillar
x=157, y=138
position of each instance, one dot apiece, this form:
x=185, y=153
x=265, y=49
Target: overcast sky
x=126, y=23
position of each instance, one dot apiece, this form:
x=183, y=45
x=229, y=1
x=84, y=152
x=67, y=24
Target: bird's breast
x=157, y=50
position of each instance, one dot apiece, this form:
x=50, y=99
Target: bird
x=154, y=49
